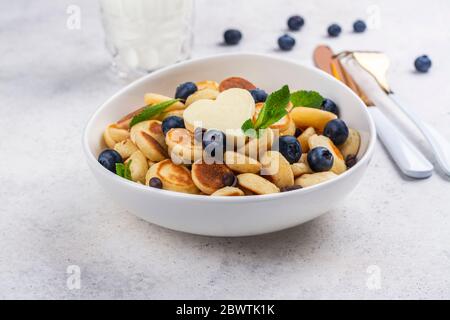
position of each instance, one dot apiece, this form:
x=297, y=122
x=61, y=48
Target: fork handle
x=407, y=157
x=440, y=145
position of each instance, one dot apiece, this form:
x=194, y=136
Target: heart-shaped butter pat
x=227, y=113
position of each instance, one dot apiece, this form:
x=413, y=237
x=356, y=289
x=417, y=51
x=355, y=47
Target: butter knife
x=406, y=156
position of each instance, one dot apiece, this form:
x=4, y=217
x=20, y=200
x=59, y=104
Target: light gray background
x=53, y=213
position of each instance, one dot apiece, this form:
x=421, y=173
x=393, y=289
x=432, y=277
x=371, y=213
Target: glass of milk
x=144, y=35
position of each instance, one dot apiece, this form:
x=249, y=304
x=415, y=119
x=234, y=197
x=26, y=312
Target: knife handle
x=407, y=157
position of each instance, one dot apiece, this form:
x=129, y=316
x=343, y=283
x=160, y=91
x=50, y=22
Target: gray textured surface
x=53, y=214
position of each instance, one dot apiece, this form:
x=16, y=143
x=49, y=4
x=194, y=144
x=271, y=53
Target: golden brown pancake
x=150, y=147
x=173, y=177
x=228, y=192
x=236, y=82
x=208, y=177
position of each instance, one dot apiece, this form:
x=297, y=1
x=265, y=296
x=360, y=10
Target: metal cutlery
x=407, y=157
x=377, y=65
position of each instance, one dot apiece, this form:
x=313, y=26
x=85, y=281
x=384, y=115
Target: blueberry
x=286, y=42
x=298, y=132
x=290, y=148
x=295, y=23
x=334, y=30
x=359, y=26
x=155, y=183
x=108, y=158
x=329, y=105
x=172, y=122
x=184, y=90
x=422, y=64
x=229, y=179
x=350, y=161
x=232, y=36
x=320, y=159
x=259, y=95
x=337, y=131
x=214, y=140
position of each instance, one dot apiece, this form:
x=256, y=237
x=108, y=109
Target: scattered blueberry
x=320, y=159
x=286, y=42
x=334, y=30
x=298, y=132
x=172, y=122
x=350, y=161
x=108, y=158
x=295, y=23
x=229, y=179
x=337, y=131
x=259, y=95
x=214, y=140
x=290, y=188
x=422, y=64
x=290, y=148
x=359, y=26
x=184, y=90
x=155, y=183
x=331, y=106
x=232, y=36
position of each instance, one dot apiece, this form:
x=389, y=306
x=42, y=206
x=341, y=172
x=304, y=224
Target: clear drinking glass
x=144, y=35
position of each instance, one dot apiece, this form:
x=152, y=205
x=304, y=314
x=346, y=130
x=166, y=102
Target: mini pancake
x=280, y=125
x=125, y=148
x=256, y=184
x=308, y=180
x=351, y=146
x=173, y=177
x=339, y=165
x=150, y=147
x=154, y=98
x=152, y=128
x=182, y=146
x=277, y=169
x=299, y=169
x=236, y=82
x=207, y=84
x=124, y=123
x=208, y=177
x=228, y=192
x=209, y=94
x=311, y=117
x=290, y=130
x=241, y=163
x=113, y=134
x=138, y=166
x=303, y=138
x=256, y=146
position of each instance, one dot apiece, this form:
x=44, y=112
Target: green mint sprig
x=123, y=170
x=273, y=110
x=309, y=99
x=152, y=111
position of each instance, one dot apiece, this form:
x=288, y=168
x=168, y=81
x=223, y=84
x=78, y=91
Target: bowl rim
x=114, y=178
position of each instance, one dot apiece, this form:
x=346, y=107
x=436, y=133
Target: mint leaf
x=247, y=125
x=152, y=111
x=123, y=170
x=309, y=99
x=273, y=110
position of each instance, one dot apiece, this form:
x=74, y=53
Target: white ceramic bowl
x=230, y=216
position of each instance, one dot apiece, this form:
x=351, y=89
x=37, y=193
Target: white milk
x=143, y=35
